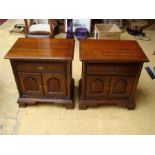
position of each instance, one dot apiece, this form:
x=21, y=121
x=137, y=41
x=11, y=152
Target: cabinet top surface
x=42, y=48
x=111, y=50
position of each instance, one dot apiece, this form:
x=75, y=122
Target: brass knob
x=106, y=88
x=40, y=68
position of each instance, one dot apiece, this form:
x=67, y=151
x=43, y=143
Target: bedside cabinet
x=43, y=70
x=110, y=72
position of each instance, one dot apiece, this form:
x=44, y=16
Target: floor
x=51, y=119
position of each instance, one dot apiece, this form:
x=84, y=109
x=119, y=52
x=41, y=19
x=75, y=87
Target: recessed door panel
x=97, y=86
x=31, y=84
x=121, y=86
x=54, y=85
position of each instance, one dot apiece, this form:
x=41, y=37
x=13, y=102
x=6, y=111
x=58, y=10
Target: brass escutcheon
x=40, y=68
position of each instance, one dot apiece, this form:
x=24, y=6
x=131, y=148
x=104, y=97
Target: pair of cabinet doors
x=42, y=84
x=109, y=86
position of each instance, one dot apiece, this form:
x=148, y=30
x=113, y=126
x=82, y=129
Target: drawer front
x=112, y=69
x=55, y=67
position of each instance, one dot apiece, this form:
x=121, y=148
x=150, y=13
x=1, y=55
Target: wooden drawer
x=112, y=69
x=55, y=67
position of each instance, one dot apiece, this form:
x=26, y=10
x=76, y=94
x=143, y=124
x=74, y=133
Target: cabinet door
x=31, y=84
x=97, y=86
x=121, y=86
x=54, y=85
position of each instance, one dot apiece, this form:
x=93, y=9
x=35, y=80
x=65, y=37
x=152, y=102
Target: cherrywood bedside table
x=110, y=72
x=42, y=69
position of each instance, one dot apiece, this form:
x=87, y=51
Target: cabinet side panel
x=69, y=78
x=83, y=80
x=136, y=81
x=16, y=77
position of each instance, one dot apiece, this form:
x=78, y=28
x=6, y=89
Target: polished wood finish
x=111, y=51
x=110, y=72
x=42, y=49
x=43, y=70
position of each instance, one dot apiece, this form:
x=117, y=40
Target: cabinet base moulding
x=94, y=103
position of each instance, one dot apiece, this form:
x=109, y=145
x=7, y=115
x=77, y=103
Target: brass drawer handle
x=40, y=68
x=112, y=72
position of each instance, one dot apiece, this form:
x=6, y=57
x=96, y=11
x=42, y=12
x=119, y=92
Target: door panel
x=54, y=85
x=97, y=86
x=121, y=86
x=31, y=84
